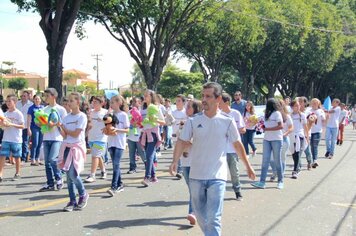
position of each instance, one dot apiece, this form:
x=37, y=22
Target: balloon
x=327, y=103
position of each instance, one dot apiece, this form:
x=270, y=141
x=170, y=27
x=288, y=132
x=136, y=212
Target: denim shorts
x=98, y=149
x=8, y=148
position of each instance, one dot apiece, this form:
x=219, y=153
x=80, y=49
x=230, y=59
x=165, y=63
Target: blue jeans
x=285, y=147
x=24, y=145
x=330, y=139
x=208, y=200
x=73, y=180
x=233, y=164
x=51, y=152
x=116, y=154
x=186, y=171
x=150, y=149
x=247, y=139
x=36, y=138
x=133, y=147
x=272, y=148
x=314, y=143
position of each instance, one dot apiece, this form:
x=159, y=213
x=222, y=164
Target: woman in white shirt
x=316, y=129
x=272, y=143
x=298, y=137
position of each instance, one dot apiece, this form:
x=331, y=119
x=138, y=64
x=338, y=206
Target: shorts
x=8, y=148
x=97, y=149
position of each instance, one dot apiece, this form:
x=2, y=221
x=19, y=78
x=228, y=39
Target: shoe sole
x=257, y=186
x=111, y=193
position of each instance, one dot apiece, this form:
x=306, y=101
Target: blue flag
x=111, y=93
x=327, y=103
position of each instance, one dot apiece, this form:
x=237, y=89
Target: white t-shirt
x=237, y=117
x=54, y=134
x=119, y=140
x=96, y=133
x=343, y=114
x=210, y=137
x=273, y=121
x=353, y=114
x=333, y=121
x=287, y=123
x=318, y=127
x=72, y=122
x=12, y=134
x=179, y=115
x=299, y=120
x=24, y=109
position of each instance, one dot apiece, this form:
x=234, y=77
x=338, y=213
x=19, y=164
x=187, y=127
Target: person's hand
x=173, y=168
x=251, y=172
x=29, y=132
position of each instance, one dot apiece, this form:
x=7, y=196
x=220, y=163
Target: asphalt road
x=320, y=202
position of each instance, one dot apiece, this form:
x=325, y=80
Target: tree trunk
x=55, y=71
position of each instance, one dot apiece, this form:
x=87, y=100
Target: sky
x=22, y=41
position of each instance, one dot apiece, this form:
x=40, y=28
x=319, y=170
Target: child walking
x=73, y=153
x=12, y=139
x=116, y=143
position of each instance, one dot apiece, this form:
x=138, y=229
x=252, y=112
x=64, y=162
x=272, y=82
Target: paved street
x=320, y=202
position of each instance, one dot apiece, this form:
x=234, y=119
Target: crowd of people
x=209, y=137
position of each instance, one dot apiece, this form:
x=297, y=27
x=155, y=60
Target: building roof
x=23, y=75
x=74, y=71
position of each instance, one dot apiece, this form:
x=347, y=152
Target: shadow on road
x=159, y=204
x=139, y=222
x=342, y=220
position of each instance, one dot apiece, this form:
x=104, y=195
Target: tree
x=175, y=81
x=17, y=84
x=148, y=29
x=57, y=19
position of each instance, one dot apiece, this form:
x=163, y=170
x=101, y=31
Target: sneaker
x=131, y=172
x=70, y=206
x=238, y=196
x=294, y=175
x=273, y=178
x=154, y=180
x=83, y=201
x=258, y=185
x=155, y=164
x=280, y=185
x=254, y=153
x=145, y=182
x=315, y=165
x=192, y=219
x=90, y=179
x=179, y=175
x=112, y=191
x=338, y=142
x=34, y=164
x=103, y=175
x=16, y=177
x=0, y=179
x=331, y=156
x=327, y=154
x=309, y=166
x=59, y=184
x=165, y=148
x=46, y=188
x=158, y=154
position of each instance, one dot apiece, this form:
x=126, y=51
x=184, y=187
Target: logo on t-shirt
x=200, y=126
x=73, y=122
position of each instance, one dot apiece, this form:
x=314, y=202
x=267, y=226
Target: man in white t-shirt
x=232, y=158
x=52, y=141
x=332, y=127
x=180, y=117
x=210, y=131
x=23, y=106
x=342, y=122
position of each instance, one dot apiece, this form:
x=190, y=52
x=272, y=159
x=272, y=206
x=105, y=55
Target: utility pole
x=97, y=58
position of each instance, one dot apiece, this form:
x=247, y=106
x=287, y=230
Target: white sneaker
x=89, y=179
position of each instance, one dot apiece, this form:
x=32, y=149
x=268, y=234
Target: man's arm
x=177, y=153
